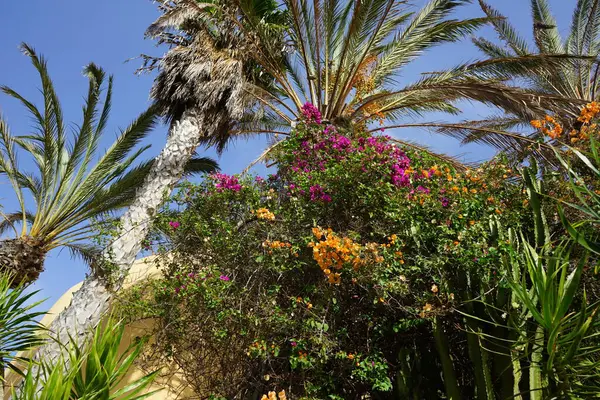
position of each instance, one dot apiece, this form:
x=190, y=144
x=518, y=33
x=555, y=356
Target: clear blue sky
x=72, y=33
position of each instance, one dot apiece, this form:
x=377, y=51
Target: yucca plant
x=547, y=332
x=587, y=200
x=19, y=329
x=564, y=355
x=93, y=371
x=72, y=184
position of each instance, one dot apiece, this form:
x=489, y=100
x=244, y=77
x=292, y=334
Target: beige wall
x=169, y=382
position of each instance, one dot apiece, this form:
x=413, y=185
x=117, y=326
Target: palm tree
x=573, y=82
x=248, y=67
x=69, y=188
x=345, y=58
x=201, y=87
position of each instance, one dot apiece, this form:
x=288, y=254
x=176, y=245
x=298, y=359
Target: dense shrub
x=322, y=279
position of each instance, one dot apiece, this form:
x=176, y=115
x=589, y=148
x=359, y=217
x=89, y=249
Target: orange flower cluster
x=427, y=308
x=548, y=126
x=588, y=112
x=271, y=396
x=583, y=133
x=264, y=213
x=301, y=300
x=260, y=347
x=333, y=252
x=436, y=171
x=256, y=346
x=277, y=245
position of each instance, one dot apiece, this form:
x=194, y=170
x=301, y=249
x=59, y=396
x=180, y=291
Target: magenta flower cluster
x=226, y=182
x=311, y=113
x=318, y=193
x=329, y=148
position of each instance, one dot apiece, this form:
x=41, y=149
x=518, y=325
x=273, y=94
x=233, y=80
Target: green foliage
x=585, y=199
x=93, y=372
x=316, y=279
x=19, y=330
x=345, y=58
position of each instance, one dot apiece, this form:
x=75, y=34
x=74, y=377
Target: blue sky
x=72, y=33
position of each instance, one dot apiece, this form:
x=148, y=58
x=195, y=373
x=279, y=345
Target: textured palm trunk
x=92, y=300
x=22, y=258
x=216, y=83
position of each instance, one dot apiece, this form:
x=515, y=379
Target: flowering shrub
x=317, y=278
x=552, y=128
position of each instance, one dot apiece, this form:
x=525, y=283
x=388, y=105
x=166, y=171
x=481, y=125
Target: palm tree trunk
x=22, y=259
x=92, y=300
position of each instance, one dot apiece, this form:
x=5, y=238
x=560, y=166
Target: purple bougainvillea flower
x=311, y=113
x=226, y=182
x=224, y=278
x=174, y=224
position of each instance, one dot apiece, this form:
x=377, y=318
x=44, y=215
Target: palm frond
x=505, y=30
x=88, y=253
x=264, y=156
x=545, y=28
x=71, y=186
x=9, y=220
x=444, y=158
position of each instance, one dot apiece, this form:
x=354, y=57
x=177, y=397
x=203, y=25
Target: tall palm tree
x=573, y=82
x=345, y=58
x=69, y=187
x=200, y=88
x=237, y=67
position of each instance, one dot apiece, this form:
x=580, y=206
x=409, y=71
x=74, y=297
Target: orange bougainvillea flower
x=426, y=309
x=276, y=244
x=264, y=213
x=317, y=233
x=537, y=124
x=549, y=126
x=588, y=112
x=332, y=253
x=272, y=396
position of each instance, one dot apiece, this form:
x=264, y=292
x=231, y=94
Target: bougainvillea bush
x=323, y=279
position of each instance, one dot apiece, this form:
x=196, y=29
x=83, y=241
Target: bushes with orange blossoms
x=371, y=241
